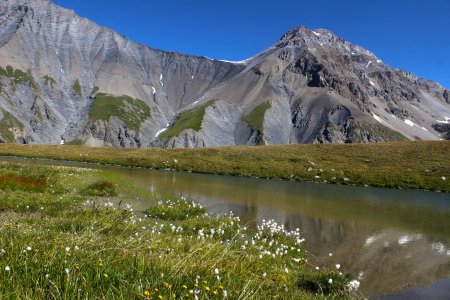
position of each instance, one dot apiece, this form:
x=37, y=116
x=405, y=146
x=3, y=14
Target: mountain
x=63, y=77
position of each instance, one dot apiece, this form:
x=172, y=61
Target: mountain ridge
x=320, y=87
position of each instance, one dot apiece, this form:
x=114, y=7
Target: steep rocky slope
x=63, y=77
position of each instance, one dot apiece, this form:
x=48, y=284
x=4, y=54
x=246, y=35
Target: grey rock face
x=322, y=89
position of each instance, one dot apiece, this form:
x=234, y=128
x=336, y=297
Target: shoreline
x=398, y=165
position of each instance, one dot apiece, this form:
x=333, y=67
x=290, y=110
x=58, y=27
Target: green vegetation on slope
x=49, y=81
x=77, y=88
x=95, y=90
x=356, y=130
x=75, y=142
x=188, y=120
x=256, y=120
x=18, y=76
x=131, y=111
x=412, y=165
x=256, y=117
x=58, y=243
x=9, y=121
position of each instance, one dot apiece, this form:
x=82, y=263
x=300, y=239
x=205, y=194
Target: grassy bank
x=409, y=165
x=68, y=233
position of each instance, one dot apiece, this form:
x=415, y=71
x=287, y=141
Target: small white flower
x=67, y=249
x=225, y=294
x=317, y=268
x=360, y=275
x=67, y=271
x=338, y=266
x=330, y=281
x=353, y=285
x=216, y=271
x=286, y=270
x=264, y=275
x=47, y=275
x=7, y=269
x=330, y=254
x=28, y=248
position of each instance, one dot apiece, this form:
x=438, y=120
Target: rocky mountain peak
x=323, y=40
x=303, y=31
x=58, y=70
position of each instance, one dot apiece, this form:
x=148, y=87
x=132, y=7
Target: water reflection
x=396, y=239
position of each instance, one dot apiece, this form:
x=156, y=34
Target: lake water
x=396, y=239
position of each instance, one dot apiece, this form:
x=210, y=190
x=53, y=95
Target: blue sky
x=412, y=35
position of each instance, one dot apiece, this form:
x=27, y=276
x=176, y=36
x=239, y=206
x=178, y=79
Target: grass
x=101, y=188
x=77, y=88
x=132, y=112
x=27, y=183
x=358, y=130
x=188, y=120
x=256, y=118
x=176, y=211
x=49, y=81
x=75, y=142
x=407, y=165
x=18, y=76
x=95, y=90
x=60, y=243
x=9, y=121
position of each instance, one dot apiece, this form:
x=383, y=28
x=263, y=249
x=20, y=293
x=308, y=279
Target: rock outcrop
x=63, y=77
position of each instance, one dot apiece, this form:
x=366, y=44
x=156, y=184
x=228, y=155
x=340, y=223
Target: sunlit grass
x=409, y=165
x=132, y=112
x=188, y=120
x=63, y=244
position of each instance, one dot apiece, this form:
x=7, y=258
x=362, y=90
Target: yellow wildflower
x=207, y=288
x=105, y=275
x=146, y=293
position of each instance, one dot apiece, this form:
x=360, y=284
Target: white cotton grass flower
x=353, y=285
x=330, y=254
x=338, y=266
x=28, y=248
x=67, y=249
x=360, y=275
x=264, y=275
x=67, y=271
x=7, y=268
x=216, y=271
x=330, y=281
